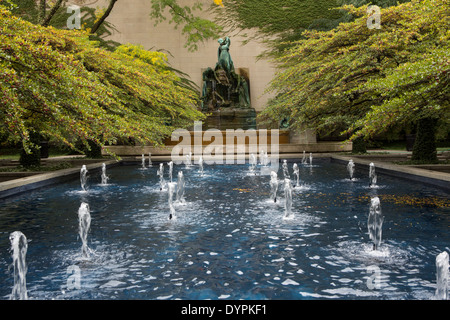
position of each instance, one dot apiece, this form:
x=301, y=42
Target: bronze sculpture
x=223, y=87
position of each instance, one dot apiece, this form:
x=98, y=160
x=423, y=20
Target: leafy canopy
x=195, y=28
x=278, y=23
x=59, y=84
x=367, y=81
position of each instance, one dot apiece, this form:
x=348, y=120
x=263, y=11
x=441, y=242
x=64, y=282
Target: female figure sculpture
x=224, y=57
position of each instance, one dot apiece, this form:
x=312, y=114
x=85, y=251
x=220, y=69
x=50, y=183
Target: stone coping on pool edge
x=16, y=186
x=430, y=177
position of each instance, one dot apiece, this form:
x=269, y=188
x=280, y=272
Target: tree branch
x=103, y=17
x=52, y=12
x=41, y=12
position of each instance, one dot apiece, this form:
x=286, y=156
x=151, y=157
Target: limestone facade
x=134, y=25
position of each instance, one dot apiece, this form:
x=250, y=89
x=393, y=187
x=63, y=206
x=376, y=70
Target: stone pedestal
x=231, y=119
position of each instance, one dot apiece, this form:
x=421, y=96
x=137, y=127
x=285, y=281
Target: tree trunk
x=32, y=159
x=103, y=18
x=95, y=152
x=359, y=145
x=52, y=12
x=425, y=145
x=42, y=9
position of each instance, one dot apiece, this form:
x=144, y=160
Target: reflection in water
x=230, y=239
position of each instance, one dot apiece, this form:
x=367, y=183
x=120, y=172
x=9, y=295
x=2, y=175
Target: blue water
x=228, y=241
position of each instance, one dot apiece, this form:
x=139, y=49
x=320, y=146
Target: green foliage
x=29, y=11
x=195, y=29
x=368, y=80
x=279, y=23
x=9, y=4
x=58, y=83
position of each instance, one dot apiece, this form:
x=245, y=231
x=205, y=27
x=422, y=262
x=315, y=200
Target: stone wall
x=132, y=20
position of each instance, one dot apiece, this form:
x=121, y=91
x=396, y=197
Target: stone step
x=239, y=136
x=320, y=147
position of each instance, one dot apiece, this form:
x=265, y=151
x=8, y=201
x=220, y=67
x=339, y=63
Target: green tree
x=279, y=23
x=367, y=81
x=195, y=28
x=55, y=14
x=59, y=84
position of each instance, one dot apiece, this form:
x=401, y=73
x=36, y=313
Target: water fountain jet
x=188, y=159
x=264, y=158
x=180, y=187
x=143, y=161
x=83, y=177
x=84, y=221
x=375, y=222
x=171, y=188
x=170, y=170
x=273, y=186
x=150, y=159
x=288, y=199
x=253, y=163
x=200, y=165
x=372, y=175
x=442, y=274
x=351, y=168
x=19, y=247
x=104, y=177
x=285, y=169
x=161, y=176
x=304, y=157
x=297, y=174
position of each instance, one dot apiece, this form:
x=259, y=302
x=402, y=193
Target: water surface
x=229, y=240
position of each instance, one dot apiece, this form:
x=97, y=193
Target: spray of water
x=170, y=170
x=351, y=168
x=143, y=161
x=83, y=177
x=200, y=165
x=375, y=222
x=372, y=175
x=161, y=176
x=84, y=224
x=105, y=178
x=288, y=199
x=285, y=169
x=304, y=157
x=442, y=276
x=188, y=159
x=264, y=158
x=253, y=162
x=171, y=188
x=180, y=187
x=273, y=186
x=150, y=159
x=297, y=174
x=19, y=247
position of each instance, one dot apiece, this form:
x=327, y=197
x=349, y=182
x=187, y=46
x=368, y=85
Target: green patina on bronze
x=226, y=93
